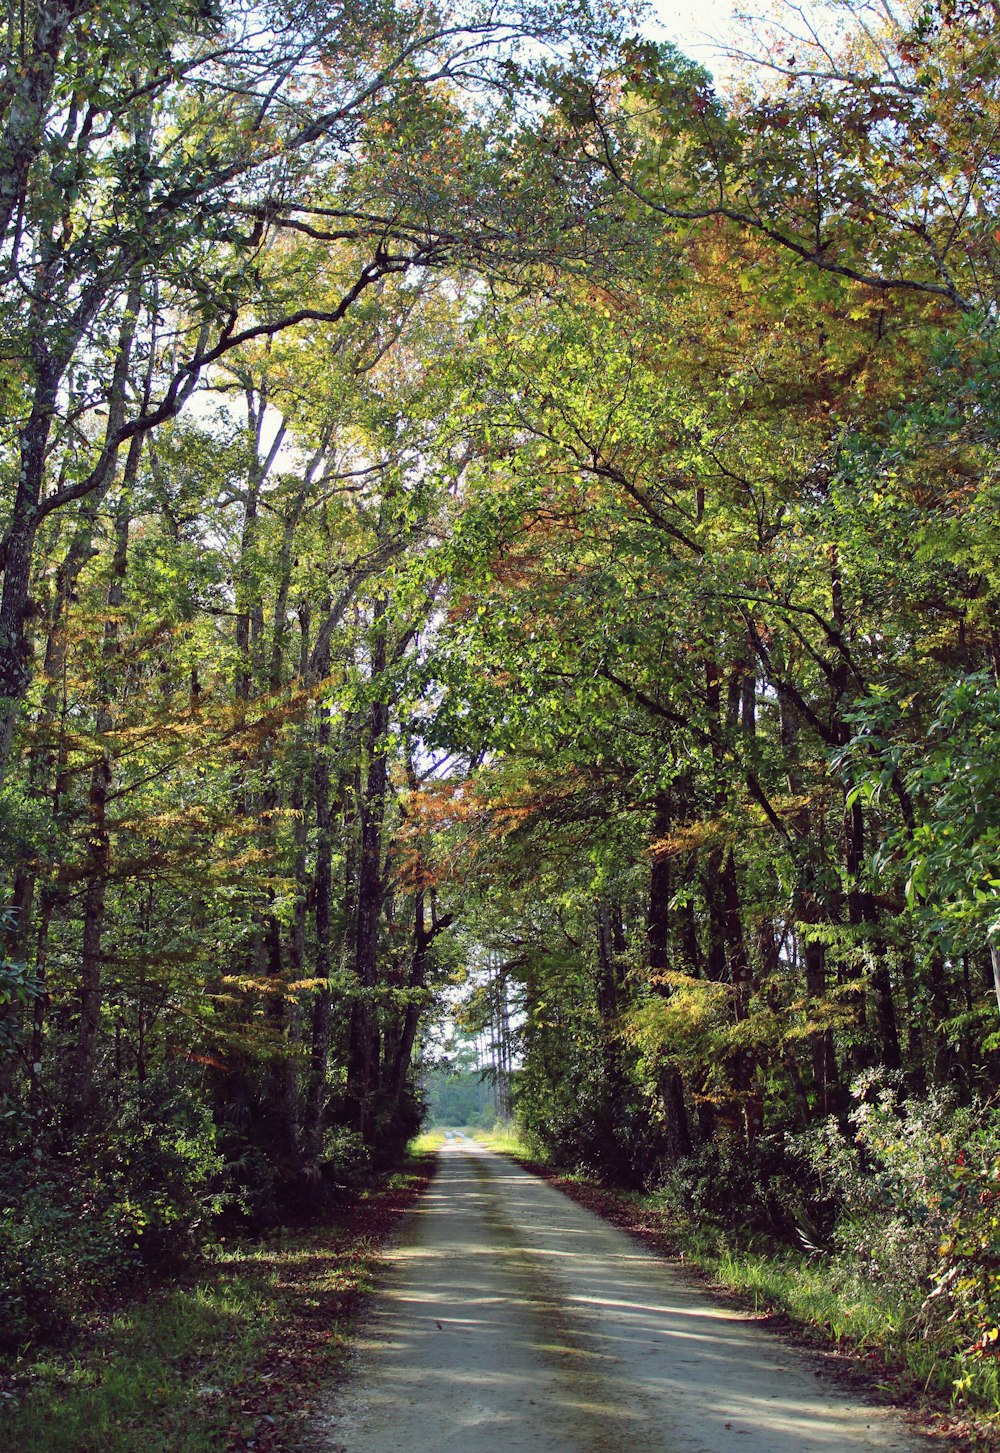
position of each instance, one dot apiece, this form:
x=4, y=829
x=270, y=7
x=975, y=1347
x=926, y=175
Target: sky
x=691, y=24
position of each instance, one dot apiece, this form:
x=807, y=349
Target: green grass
x=829, y=1298
x=848, y=1309
x=507, y=1139
x=427, y=1142
x=155, y=1378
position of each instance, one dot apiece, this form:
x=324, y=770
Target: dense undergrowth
x=140, y=1194
x=82, y=1214
x=228, y=1356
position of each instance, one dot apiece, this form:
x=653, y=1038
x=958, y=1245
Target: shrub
x=918, y=1186
x=80, y=1218
x=593, y=1119
x=346, y=1158
x=163, y=1171
x=756, y=1187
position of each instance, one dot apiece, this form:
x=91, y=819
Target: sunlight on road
x=514, y=1319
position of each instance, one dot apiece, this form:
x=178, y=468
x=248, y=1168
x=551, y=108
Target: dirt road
x=513, y=1319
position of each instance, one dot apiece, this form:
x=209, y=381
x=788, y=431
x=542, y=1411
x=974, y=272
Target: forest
x=485, y=504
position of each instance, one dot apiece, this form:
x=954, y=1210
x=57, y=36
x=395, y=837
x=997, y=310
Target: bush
x=757, y=1187
x=594, y=1119
x=918, y=1186
x=79, y=1219
x=347, y=1160
x=966, y=1273
x=164, y=1171
x=53, y=1251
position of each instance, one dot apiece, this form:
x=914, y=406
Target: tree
x=164, y=176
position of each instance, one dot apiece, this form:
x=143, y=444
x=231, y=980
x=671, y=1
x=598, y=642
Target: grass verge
x=428, y=1142
x=230, y=1361
x=506, y=1139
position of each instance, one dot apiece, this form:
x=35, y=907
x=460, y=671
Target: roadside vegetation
x=233, y=1355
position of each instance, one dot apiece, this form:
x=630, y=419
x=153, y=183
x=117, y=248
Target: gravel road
x=513, y=1319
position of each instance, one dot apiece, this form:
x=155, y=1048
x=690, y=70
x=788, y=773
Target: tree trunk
x=364, y=1058
x=314, y=1115
x=671, y=1084
x=95, y=895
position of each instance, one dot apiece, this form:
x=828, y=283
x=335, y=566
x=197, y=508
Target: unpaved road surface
x=513, y=1319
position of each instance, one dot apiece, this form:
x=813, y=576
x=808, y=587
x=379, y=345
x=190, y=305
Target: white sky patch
x=700, y=28
x=206, y=404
